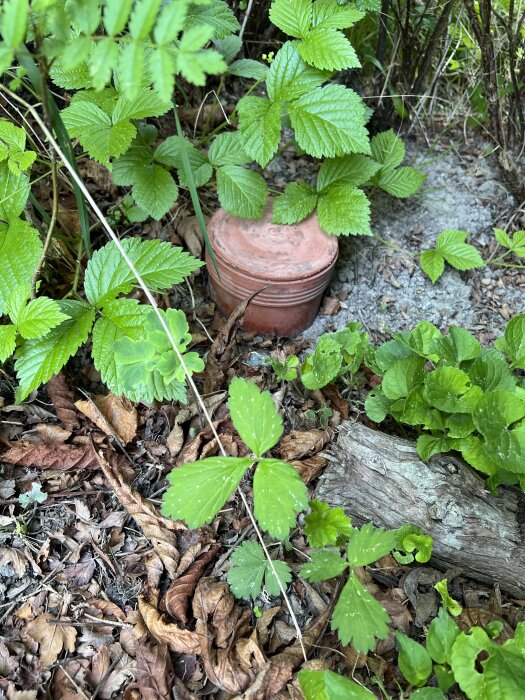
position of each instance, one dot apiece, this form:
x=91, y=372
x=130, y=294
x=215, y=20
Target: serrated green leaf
x=339, y=16
x=155, y=191
x=358, y=617
x=254, y=416
x=199, y=490
x=328, y=49
x=248, y=68
x=388, y=149
x=170, y=22
x=146, y=103
x=353, y=169
x=227, y=149
x=401, y=182
x=39, y=359
x=457, y=346
x=241, y=192
x=278, y=495
x=70, y=78
x=324, y=525
x=503, y=238
x=450, y=389
x=116, y=14
x=368, y=544
x=327, y=685
x=441, y=635
x=14, y=22
x=39, y=317
x=402, y=376
x=160, y=264
x=130, y=68
x=293, y=18
x=320, y=368
x=345, y=210
x=432, y=263
x=462, y=256
x=161, y=64
x=324, y=564
x=77, y=53
x=20, y=251
x=413, y=660
x=85, y=15
x=14, y=191
x=143, y=18
x=169, y=153
x=515, y=244
x=119, y=318
x=134, y=361
x=217, y=15
x=102, y=61
x=329, y=121
x=194, y=62
x=290, y=77
x=259, y=127
x=228, y=47
x=251, y=568
x=7, y=341
x=296, y=203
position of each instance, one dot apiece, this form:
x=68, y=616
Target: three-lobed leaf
x=254, y=416
x=251, y=569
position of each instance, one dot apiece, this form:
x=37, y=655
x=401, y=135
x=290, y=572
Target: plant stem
x=50, y=229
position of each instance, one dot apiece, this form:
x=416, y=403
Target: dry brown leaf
x=178, y=640
x=220, y=353
x=329, y=306
x=181, y=590
x=62, y=399
x=189, y=230
x=309, y=468
x=299, y=444
x=114, y=415
x=8, y=663
x=270, y=681
x=47, y=432
x=159, y=530
x=154, y=672
x=50, y=456
x=110, y=669
x=331, y=392
x=52, y=638
x=12, y=694
x=13, y=558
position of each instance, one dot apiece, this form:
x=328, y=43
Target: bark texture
x=380, y=478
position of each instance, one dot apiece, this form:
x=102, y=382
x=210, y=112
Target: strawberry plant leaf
x=327, y=685
x=38, y=317
x=338, y=16
x=327, y=48
x=278, y=494
x=154, y=190
x=343, y=209
x=432, y=264
x=169, y=153
x=20, y=250
x=7, y=341
x=401, y=182
x=14, y=191
x=116, y=15
x=293, y=18
x=387, y=149
x=241, y=192
x=14, y=22
x=227, y=149
x=353, y=169
x=38, y=359
x=251, y=568
x=146, y=103
x=290, y=77
x=324, y=525
x=259, y=127
x=368, y=544
x=323, y=565
x=296, y=203
x=358, y=617
x=254, y=416
x=462, y=256
x=199, y=490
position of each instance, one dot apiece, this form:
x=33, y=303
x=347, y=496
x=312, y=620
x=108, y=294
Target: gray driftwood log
x=380, y=478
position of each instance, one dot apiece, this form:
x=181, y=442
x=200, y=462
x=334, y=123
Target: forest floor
x=101, y=597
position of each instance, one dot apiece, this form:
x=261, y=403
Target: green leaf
x=143, y=18
x=170, y=22
x=254, y=416
x=199, y=490
x=328, y=49
x=516, y=244
x=14, y=191
x=39, y=317
x=358, y=617
x=453, y=607
x=411, y=539
x=248, y=68
x=441, y=635
x=329, y=121
x=160, y=264
x=259, y=127
x=457, y=346
x=491, y=372
x=450, y=389
x=102, y=60
x=161, y=65
x=290, y=77
x=422, y=339
x=20, y=250
x=14, y=22
x=429, y=445
x=296, y=203
x=241, y=192
x=413, y=660
x=7, y=341
x=130, y=68
x=134, y=361
x=336, y=16
x=496, y=411
x=293, y=18
x=251, y=568
x=146, y=103
x=278, y=495
x=215, y=14
x=462, y=256
x=193, y=61
x=323, y=565
x=368, y=544
x=119, y=318
x=155, y=191
x=388, y=149
x=227, y=149
x=320, y=368
x=515, y=341
x=402, y=182
x=402, y=376
x=353, y=169
x=37, y=360
x=70, y=78
x=327, y=685
x=169, y=153
x=343, y=209
x=377, y=405
x=125, y=170
x=35, y=495
x=116, y=14
x=433, y=264
x=324, y=525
